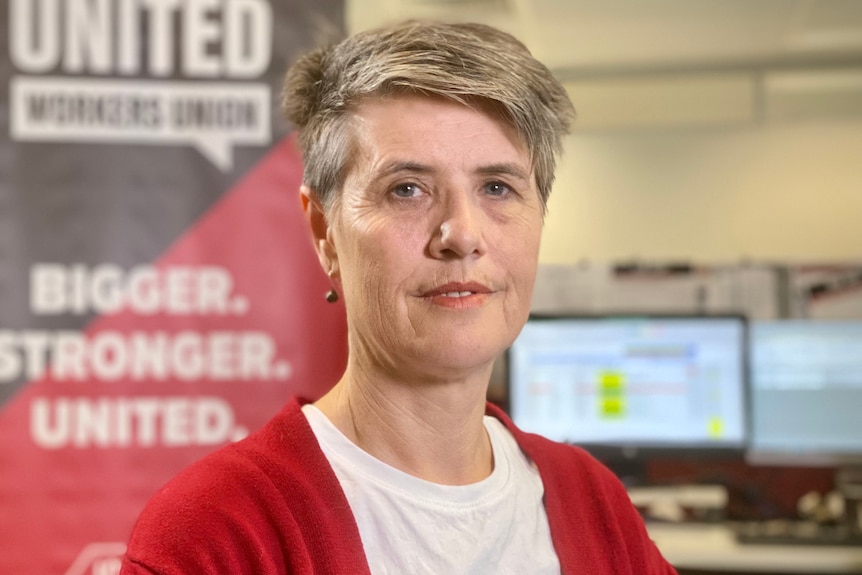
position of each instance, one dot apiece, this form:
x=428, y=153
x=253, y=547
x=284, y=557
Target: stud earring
x=331, y=295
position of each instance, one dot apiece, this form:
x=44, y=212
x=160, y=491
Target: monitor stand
x=848, y=482
x=632, y=472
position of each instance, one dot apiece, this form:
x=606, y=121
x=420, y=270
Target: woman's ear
x=320, y=232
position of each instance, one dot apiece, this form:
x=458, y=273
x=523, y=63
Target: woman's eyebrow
x=503, y=168
x=403, y=166
x=510, y=169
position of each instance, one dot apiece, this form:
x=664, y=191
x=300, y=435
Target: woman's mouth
x=458, y=295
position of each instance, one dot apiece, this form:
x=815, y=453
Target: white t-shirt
x=410, y=526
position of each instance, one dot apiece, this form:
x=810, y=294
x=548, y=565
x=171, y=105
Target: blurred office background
x=715, y=167
x=712, y=130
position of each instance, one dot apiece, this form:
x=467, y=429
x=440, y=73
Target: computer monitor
x=806, y=386
x=633, y=387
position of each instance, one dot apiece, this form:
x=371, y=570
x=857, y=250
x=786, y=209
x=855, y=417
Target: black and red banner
x=159, y=294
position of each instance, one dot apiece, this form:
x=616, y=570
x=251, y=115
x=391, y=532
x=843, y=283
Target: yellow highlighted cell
x=612, y=407
x=611, y=381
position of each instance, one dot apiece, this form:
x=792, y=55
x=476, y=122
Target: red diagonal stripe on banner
x=57, y=501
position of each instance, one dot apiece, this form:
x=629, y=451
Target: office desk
x=712, y=548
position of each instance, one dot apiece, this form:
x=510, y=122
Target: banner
x=159, y=293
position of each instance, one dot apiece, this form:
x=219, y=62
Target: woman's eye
x=497, y=189
x=406, y=190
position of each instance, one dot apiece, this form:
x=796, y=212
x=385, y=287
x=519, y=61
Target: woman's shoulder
x=268, y=460
x=245, y=491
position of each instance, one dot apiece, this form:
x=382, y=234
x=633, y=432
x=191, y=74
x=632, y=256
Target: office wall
x=689, y=142
x=784, y=191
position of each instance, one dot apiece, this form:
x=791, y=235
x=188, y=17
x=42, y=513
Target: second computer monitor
x=806, y=393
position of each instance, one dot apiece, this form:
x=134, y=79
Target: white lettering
x=104, y=288
x=69, y=356
x=223, y=360
x=157, y=356
x=176, y=430
x=179, y=290
x=34, y=37
x=34, y=346
x=93, y=424
x=256, y=354
x=120, y=422
x=143, y=291
x=145, y=412
x=186, y=357
x=231, y=38
x=123, y=432
x=46, y=289
x=149, y=356
x=214, y=286
x=199, y=34
x=108, y=356
x=128, y=28
x=161, y=36
x=10, y=359
x=248, y=38
x=213, y=420
x=78, y=291
x=45, y=434
x=88, y=36
x=213, y=117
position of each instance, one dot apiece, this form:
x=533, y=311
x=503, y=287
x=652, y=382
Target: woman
x=429, y=154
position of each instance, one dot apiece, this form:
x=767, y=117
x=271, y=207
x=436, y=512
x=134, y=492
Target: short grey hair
x=463, y=62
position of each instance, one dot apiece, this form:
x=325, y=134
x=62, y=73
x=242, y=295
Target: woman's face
x=434, y=241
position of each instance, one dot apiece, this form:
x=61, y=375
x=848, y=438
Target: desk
x=708, y=547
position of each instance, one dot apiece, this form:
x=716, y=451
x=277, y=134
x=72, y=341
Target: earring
x=331, y=295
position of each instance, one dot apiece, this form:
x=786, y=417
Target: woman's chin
x=457, y=359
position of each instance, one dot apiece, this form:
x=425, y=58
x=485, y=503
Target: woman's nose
x=460, y=232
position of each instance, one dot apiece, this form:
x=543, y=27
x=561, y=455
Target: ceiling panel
x=653, y=63
x=624, y=34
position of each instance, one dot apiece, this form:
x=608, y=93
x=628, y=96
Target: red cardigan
x=271, y=504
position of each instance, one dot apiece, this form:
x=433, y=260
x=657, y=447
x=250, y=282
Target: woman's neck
x=431, y=430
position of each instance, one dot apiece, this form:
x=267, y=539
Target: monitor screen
x=806, y=392
x=635, y=385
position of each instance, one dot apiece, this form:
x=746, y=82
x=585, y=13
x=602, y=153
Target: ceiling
x=585, y=37
x=635, y=63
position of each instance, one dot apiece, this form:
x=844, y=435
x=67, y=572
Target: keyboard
x=791, y=532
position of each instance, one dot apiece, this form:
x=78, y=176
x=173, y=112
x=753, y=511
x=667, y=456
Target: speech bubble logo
x=211, y=116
